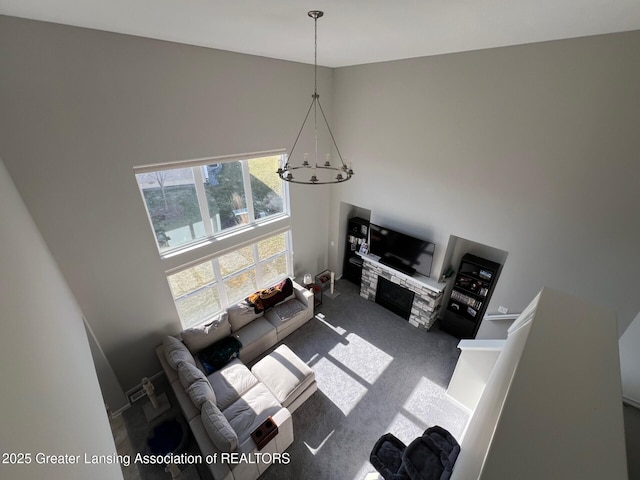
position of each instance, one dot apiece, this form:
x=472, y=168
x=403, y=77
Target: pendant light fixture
x=315, y=172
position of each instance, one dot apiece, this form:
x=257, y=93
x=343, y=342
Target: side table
x=317, y=293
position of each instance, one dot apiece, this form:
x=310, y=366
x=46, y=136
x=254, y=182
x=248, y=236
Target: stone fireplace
x=394, y=297
x=418, y=299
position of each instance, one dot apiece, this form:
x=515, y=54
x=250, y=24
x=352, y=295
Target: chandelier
x=314, y=172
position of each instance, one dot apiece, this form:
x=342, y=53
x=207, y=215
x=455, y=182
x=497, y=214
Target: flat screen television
x=402, y=252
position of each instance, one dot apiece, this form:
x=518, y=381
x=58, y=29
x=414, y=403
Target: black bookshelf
x=357, y=234
x=470, y=295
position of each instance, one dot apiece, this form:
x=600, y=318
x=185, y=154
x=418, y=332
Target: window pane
x=225, y=195
x=272, y=246
x=191, y=279
x=170, y=196
x=274, y=270
x=236, y=261
x=240, y=286
x=266, y=186
x=198, y=307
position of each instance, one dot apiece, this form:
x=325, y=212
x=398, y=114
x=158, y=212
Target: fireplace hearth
x=395, y=298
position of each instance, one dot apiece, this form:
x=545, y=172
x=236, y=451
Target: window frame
x=212, y=247
x=196, y=166
x=219, y=278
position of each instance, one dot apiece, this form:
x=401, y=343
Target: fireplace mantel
x=428, y=292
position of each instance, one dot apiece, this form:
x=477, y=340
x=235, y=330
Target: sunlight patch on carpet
x=439, y=410
x=404, y=428
x=338, y=330
x=317, y=449
x=357, y=348
x=339, y=387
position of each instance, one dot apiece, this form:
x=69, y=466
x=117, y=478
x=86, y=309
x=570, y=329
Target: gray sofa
x=226, y=406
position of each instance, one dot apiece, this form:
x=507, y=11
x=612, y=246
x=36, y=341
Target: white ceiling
x=351, y=32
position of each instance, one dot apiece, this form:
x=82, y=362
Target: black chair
x=429, y=457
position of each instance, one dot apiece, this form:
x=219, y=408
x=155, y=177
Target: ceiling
x=352, y=32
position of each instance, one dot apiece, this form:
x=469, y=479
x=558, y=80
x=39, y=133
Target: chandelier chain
x=343, y=171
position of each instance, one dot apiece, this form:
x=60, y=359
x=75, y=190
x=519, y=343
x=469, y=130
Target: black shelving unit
x=357, y=233
x=470, y=295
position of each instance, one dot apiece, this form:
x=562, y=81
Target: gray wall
x=50, y=400
x=530, y=149
x=79, y=108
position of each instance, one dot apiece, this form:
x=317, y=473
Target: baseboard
x=631, y=402
x=121, y=410
x=501, y=316
x=457, y=403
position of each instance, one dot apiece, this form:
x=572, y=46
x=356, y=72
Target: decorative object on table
x=308, y=280
x=364, y=248
x=315, y=173
x=157, y=405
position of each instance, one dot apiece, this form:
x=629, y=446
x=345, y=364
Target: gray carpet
x=376, y=374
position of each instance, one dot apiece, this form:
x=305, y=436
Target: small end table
x=316, y=289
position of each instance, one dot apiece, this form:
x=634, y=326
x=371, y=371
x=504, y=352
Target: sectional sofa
x=224, y=407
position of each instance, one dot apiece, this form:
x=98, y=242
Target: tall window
x=188, y=203
x=191, y=203
x=205, y=289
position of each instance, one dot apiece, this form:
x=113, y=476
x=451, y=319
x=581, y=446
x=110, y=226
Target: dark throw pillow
x=216, y=356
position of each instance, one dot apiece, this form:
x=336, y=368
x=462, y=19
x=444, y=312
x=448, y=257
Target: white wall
x=50, y=400
x=81, y=107
x=551, y=407
x=530, y=149
x=630, y=363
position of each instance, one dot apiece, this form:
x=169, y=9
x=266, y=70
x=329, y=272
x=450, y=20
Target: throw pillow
x=176, y=352
x=189, y=374
x=219, y=354
x=267, y=298
x=241, y=314
x=197, y=338
x=218, y=427
x=200, y=391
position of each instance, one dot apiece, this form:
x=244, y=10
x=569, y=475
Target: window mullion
x=248, y=193
x=202, y=200
x=256, y=261
x=222, y=291
x=289, y=252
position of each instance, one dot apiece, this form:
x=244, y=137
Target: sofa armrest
x=303, y=295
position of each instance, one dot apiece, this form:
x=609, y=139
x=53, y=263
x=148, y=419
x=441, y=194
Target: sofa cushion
x=241, y=314
x=267, y=298
x=217, y=426
x=189, y=374
x=200, y=391
x=176, y=352
x=249, y=411
x=200, y=337
x=231, y=382
x=256, y=338
x=284, y=374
